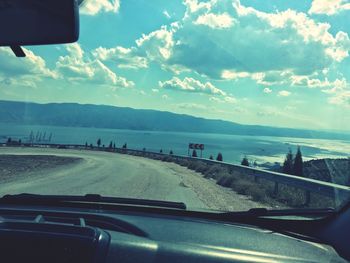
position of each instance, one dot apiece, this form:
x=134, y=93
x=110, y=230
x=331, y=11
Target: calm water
x=233, y=147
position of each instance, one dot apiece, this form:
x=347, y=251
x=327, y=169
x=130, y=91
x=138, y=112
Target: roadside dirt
x=214, y=196
x=14, y=167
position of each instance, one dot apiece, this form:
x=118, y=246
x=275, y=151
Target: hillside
x=100, y=116
x=329, y=170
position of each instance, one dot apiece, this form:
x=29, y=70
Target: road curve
x=106, y=174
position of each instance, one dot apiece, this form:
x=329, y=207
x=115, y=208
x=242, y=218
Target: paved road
x=106, y=174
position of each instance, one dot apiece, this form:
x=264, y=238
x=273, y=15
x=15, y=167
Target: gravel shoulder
x=214, y=196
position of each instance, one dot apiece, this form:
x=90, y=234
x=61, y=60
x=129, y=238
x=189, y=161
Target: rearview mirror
x=38, y=22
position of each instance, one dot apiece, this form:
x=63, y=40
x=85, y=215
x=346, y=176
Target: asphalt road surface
x=106, y=174
x=120, y=175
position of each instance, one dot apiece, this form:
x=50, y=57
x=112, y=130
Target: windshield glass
x=223, y=105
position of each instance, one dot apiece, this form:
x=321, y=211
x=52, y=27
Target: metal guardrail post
x=275, y=190
x=307, y=197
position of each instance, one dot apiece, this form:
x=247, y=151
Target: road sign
x=196, y=146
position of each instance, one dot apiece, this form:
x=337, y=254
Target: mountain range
x=102, y=116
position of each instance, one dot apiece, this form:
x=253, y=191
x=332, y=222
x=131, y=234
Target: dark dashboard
x=60, y=235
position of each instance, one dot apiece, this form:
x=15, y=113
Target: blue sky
x=279, y=63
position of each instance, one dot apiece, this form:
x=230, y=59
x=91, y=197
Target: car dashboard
x=57, y=235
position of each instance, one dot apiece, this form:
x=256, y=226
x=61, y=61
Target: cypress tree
x=245, y=161
x=219, y=157
x=194, y=153
x=298, y=164
x=288, y=163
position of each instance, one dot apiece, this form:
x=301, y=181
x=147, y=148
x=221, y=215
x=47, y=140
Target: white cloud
x=290, y=40
x=30, y=65
x=215, y=20
x=76, y=67
x=123, y=57
x=267, y=90
x=192, y=106
x=317, y=83
x=328, y=7
x=230, y=99
x=226, y=40
x=341, y=98
x=23, y=71
x=227, y=99
x=166, y=14
x=232, y=75
x=155, y=90
x=283, y=93
x=157, y=45
x=94, y=7
x=339, y=92
x=215, y=99
x=191, y=85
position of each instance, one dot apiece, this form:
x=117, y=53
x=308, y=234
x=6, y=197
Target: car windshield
x=222, y=105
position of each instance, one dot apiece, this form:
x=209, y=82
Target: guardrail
x=339, y=193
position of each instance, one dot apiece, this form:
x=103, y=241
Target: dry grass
x=261, y=191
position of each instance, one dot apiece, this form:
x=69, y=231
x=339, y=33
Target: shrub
x=212, y=170
x=201, y=167
x=241, y=186
x=192, y=165
x=227, y=180
x=183, y=162
x=257, y=193
x=166, y=159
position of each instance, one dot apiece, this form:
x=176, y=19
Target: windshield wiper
x=34, y=199
x=264, y=212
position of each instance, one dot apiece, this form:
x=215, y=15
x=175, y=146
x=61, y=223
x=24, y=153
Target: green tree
x=125, y=146
x=288, y=163
x=114, y=146
x=110, y=146
x=211, y=157
x=245, y=161
x=219, y=157
x=171, y=152
x=298, y=163
x=86, y=144
x=9, y=140
x=91, y=146
x=194, y=153
x=161, y=151
x=98, y=142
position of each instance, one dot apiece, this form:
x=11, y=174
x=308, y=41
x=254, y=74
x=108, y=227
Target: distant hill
x=101, y=116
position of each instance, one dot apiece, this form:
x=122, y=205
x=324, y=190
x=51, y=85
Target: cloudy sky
x=271, y=62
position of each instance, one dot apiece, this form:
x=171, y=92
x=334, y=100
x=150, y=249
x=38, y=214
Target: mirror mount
x=19, y=52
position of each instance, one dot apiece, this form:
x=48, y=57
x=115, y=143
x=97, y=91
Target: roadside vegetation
x=259, y=190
